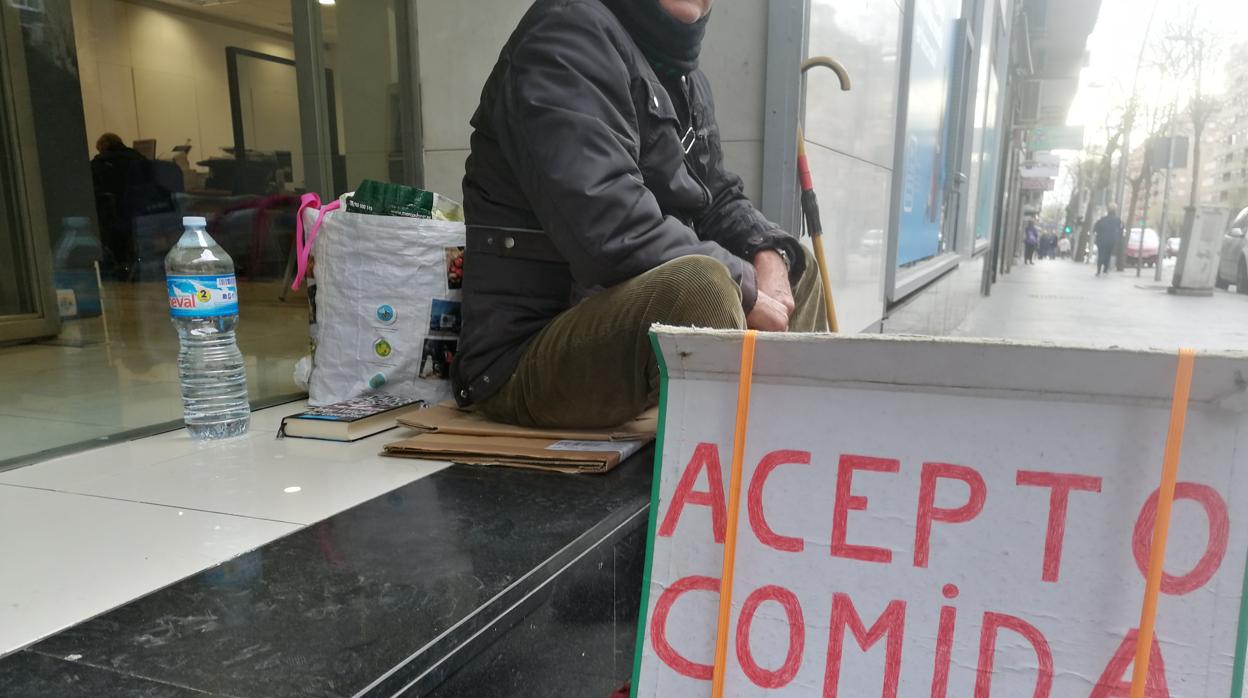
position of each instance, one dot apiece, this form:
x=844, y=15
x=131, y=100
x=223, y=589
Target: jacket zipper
x=695, y=127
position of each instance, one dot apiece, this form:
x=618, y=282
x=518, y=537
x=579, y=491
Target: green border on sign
x=1241, y=641
x=654, y=516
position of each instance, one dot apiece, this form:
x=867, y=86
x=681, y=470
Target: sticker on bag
x=202, y=296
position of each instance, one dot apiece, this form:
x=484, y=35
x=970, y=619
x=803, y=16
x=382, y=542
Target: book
x=349, y=420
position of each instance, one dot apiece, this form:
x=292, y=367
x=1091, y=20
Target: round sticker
x=382, y=348
x=386, y=314
x=377, y=381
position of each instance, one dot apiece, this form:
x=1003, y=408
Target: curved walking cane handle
x=831, y=64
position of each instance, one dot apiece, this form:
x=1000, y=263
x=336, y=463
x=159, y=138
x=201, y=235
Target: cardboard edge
x=1241, y=641
x=651, y=527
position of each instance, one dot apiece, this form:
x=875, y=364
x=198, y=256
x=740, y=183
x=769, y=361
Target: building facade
x=1224, y=174
x=236, y=109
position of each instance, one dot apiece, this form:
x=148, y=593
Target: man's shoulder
x=578, y=16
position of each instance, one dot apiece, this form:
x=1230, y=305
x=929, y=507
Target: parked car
x=1233, y=265
x=1151, y=247
x=1172, y=246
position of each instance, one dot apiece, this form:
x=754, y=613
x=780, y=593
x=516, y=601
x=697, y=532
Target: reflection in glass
x=134, y=129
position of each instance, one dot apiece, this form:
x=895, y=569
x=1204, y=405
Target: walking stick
x=810, y=204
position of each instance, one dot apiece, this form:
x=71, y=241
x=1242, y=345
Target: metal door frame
x=26, y=193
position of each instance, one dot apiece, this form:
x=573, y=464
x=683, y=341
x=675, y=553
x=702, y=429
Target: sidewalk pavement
x=1065, y=302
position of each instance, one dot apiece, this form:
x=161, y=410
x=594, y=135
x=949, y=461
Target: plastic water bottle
x=203, y=299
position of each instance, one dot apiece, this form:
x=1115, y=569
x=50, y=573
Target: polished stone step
x=471, y=581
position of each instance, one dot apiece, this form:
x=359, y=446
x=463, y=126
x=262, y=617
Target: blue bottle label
x=202, y=296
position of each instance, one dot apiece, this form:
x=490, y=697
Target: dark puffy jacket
x=579, y=179
x=1108, y=231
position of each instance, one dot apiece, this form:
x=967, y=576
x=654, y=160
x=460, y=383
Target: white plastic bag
x=385, y=303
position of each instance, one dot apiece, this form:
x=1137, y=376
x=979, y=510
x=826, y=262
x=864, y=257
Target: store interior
x=203, y=100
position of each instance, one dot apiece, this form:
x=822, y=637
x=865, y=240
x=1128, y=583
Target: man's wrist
x=772, y=257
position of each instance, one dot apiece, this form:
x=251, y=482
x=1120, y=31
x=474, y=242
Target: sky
x=1114, y=49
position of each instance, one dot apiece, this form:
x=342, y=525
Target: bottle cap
x=195, y=221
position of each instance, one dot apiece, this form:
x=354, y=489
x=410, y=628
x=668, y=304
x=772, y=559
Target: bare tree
x=1190, y=46
x=1115, y=127
x=1157, y=127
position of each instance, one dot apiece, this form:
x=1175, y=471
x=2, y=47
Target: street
x=1065, y=302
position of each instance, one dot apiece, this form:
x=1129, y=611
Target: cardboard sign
x=932, y=518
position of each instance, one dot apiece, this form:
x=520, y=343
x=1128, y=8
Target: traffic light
x=1067, y=230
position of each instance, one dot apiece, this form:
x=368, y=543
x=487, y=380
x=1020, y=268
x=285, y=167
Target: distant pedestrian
x=1108, y=232
x=1031, y=238
x=1048, y=245
x=1063, y=247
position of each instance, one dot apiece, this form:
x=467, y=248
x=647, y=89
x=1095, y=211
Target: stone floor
x=1065, y=302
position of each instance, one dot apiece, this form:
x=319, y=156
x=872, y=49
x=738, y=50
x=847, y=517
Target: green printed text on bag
x=387, y=199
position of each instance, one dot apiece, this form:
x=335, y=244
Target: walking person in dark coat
x=597, y=202
x=1108, y=232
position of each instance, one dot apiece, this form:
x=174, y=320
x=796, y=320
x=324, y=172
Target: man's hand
x=775, y=305
x=768, y=315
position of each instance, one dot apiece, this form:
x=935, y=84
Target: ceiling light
x=327, y=2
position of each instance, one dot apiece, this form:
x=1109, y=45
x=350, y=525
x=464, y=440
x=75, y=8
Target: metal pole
x=313, y=97
x=786, y=46
x=1165, y=204
x=407, y=35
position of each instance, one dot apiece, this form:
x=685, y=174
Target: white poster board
x=940, y=518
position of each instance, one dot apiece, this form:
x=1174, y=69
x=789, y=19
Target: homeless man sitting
x=597, y=203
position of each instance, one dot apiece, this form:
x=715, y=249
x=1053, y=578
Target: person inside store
x=597, y=203
x=113, y=167
x=127, y=185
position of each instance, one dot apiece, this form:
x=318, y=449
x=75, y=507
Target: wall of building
x=1225, y=168
x=850, y=143
x=149, y=73
x=460, y=41
x=851, y=140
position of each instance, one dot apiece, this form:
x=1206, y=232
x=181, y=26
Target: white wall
x=152, y=74
x=460, y=41
x=850, y=143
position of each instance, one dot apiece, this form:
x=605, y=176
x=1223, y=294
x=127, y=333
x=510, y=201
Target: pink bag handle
x=303, y=247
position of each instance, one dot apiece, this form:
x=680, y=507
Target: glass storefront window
x=138, y=113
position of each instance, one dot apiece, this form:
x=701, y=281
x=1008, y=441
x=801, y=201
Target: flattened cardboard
x=560, y=455
x=447, y=419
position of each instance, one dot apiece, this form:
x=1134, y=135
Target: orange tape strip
x=1161, y=531
x=744, y=382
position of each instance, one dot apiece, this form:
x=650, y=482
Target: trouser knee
x=696, y=291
